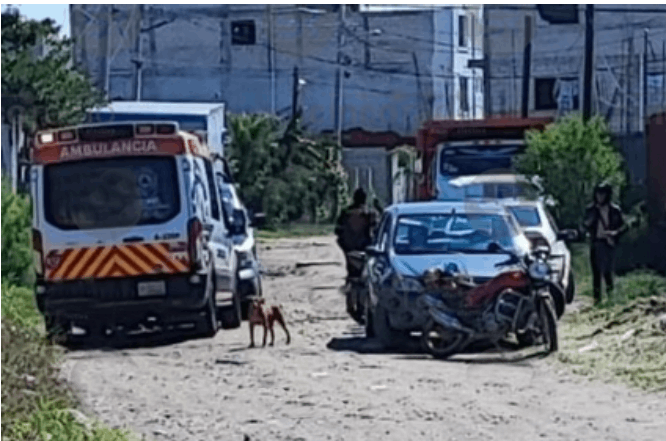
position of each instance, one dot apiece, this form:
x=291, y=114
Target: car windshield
x=111, y=193
x=477, y=159
x=526, y=216
x=443, y=233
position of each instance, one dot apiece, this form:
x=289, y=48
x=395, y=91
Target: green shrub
x=16, y=241
x=35, y=404
x=18, y=306
x=571, y=157
x=638, y=284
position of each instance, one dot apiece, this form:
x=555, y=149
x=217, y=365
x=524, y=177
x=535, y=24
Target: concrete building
x=629, y=49
x=379, y=69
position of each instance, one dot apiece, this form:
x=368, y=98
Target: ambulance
x=129, y=231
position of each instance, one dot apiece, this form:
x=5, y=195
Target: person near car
x=605, y=223
x=354, y=229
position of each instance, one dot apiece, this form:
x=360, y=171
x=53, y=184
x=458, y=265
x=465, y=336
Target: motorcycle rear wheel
x=440, y=342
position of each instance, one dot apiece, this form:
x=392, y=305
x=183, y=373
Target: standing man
x=605, y=223
x=354, y=229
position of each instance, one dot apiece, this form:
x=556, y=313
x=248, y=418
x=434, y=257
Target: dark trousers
x=602, y=258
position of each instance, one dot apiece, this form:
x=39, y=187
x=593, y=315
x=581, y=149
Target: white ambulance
x=129, y=231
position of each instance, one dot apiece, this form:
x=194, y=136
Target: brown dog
x=266, y=319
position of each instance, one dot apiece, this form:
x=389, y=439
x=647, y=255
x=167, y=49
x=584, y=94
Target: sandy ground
x=333, y=384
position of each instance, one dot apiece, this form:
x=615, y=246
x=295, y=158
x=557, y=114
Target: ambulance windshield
x=111, y=193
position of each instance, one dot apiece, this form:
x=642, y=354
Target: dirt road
x=332, y=384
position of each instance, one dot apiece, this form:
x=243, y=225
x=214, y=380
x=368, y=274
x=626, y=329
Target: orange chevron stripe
x=147, y=255
x=92, y=269
x=85, y=258
x=106, y=268
x=117, y=261
x=138, y=262
x=163, y=255
x=66, y=263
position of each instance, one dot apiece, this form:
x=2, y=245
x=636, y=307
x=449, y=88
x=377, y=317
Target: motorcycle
x=356, y=287
x=517, y=301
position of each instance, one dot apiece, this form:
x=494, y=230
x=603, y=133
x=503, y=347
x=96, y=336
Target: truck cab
x=456, y=153
x=129, y=231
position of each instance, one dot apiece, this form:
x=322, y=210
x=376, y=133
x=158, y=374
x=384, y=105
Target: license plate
x=146, y=289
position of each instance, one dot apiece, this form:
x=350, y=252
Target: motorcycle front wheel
x=548, y=320
x=440, y=342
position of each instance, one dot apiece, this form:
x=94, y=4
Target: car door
x=559, y=248
x=220, y=241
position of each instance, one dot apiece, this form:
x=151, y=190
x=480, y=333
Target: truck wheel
x=231, y=316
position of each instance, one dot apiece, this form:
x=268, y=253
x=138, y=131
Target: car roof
x=489, y=179
x=429, y=207
x=521, y=202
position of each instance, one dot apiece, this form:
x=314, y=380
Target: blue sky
x=59, y=13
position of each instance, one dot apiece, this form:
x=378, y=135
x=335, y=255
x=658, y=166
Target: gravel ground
x=333, y=384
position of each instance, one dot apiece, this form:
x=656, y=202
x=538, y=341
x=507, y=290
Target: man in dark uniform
x=605, y=223
x=354, y=230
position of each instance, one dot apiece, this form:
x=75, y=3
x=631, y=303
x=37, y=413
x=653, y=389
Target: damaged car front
x=462, y=238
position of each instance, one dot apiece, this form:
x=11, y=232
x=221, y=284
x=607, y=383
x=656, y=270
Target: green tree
x=571, y=157
x=46, y=89
x=282, y=171
x=16, y=247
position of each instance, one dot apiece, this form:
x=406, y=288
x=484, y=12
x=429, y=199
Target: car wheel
x=367, y=317
x=245, y=302
x=231, y=317
x=209, y=315
x=387, y=336
x=571, y=287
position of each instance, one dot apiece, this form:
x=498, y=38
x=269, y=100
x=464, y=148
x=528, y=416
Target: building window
x=566, y=94
x=464, y=94
x=462, y=30
x=243, y=32
x=544, y=94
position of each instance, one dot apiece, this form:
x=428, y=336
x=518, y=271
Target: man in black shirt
x=605, y=223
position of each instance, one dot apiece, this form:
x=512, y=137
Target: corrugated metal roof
x=169, y=108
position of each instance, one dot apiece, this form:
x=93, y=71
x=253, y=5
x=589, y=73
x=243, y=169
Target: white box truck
x=197, y=117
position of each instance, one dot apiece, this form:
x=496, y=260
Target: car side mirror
x=568, y=235
x=237, y=222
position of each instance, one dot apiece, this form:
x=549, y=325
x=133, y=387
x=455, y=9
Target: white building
x=627, y=40
x=399, y=67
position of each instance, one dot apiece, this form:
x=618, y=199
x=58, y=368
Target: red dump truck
x=451, y=149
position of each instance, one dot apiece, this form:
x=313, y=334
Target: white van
x=128, y=230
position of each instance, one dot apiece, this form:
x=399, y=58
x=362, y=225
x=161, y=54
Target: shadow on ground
x=411, y=350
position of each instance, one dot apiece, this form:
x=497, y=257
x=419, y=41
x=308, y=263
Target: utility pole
x=472, y=20
x=139, y=54
x=629, y=84
x=294, y=96
x=645, y=78
x=527, y=61
x=339, y=78
x=589, y=61
x=271, y=57
x=107, y=63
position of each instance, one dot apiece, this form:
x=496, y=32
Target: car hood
x=474, y=265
